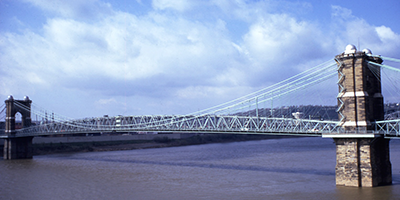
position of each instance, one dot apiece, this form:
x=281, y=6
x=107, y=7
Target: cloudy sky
x=95, y=57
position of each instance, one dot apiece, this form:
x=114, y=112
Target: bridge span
x=361, y=134
x=207, y=124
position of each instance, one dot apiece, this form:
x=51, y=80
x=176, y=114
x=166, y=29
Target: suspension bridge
x=360, y=110
x=245, y=115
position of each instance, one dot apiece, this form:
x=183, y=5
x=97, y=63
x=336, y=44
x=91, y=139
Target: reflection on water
x=296, y=168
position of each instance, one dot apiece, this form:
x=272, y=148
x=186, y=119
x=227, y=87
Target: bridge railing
x=390, y=128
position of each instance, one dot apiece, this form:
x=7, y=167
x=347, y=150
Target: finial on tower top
x=350, y=49
x=367, y=51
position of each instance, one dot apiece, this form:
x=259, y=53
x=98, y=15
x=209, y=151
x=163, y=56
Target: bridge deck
x=207, y=124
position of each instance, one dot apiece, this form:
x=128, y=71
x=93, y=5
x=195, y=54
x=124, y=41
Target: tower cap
x=350, y=49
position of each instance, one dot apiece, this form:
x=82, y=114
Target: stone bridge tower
x=362, y=157
x=17, y=147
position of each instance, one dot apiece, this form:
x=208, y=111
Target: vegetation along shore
x=157, y=142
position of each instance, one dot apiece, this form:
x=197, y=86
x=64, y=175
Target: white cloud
x=123, y=48
x=88, y=9
x=161, y=59
x=179, y=5
x=339, y=12
x=279, y=45
x=238, y=9
x=390, y=41
x=351, y=29
x=386, y=34
x=106, y=101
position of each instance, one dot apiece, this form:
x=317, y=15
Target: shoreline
x=157, y=142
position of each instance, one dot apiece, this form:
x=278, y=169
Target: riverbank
x=156, y=142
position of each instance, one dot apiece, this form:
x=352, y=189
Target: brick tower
x=17, y=147
x=362, y=157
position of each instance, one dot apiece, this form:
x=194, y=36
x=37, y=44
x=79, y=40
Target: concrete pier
x=18, y=148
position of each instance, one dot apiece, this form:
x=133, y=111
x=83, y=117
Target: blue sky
x=95, y=57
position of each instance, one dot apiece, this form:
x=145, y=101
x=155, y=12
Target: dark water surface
x=295, y=168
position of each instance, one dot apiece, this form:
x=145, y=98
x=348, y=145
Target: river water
x=292, y=168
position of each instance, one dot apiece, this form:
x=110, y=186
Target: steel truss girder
x=389, y=128
x=185, y=123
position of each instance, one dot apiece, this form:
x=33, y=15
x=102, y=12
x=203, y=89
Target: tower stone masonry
x=17, y=147
x=362, y=157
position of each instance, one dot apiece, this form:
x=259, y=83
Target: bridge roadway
x=207, y=124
